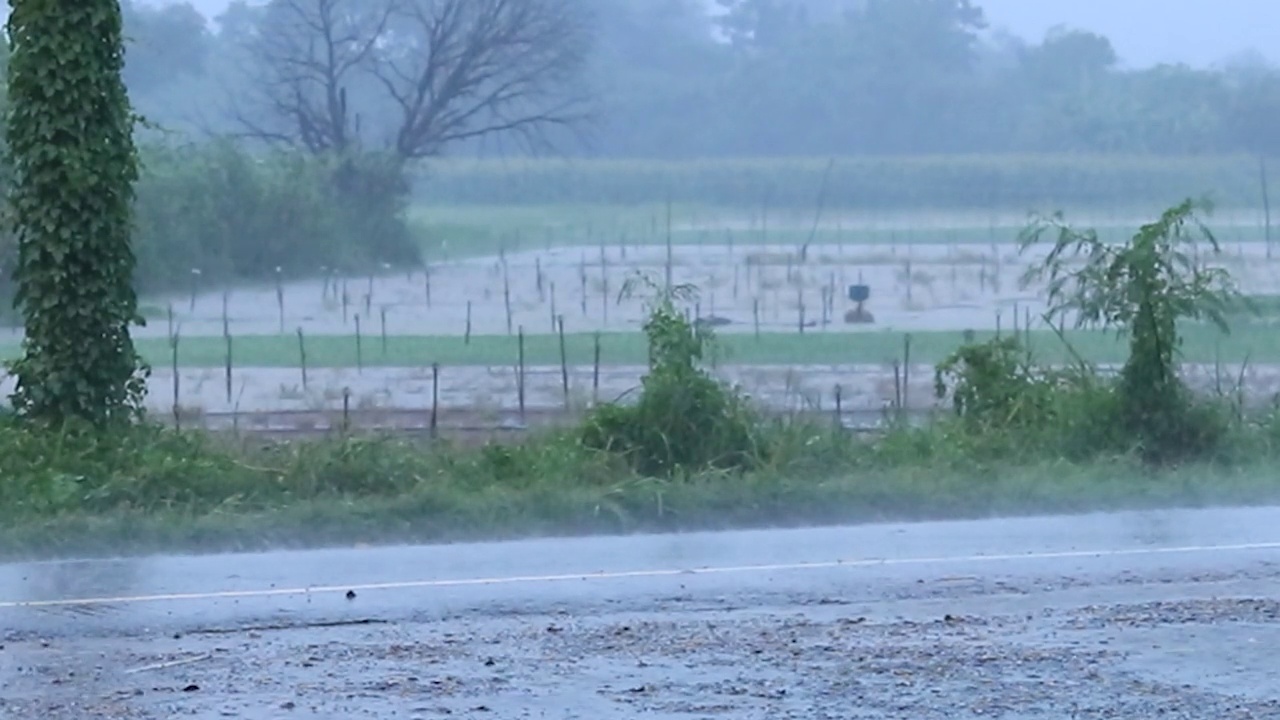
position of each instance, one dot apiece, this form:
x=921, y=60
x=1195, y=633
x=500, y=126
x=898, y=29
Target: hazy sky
x=1145, y=32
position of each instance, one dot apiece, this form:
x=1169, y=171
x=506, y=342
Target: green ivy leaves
x=70, y=137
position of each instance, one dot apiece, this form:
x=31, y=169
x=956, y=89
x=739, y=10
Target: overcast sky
x=1145, y=32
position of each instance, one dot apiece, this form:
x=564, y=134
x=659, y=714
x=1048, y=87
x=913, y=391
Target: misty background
x=688, y=78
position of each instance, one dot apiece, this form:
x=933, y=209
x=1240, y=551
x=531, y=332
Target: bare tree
x=434, y=72
x=300, y=57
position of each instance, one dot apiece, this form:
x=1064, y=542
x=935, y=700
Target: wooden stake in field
x=177, y=380
x=554, y=315
x=382, y=313
x=520, y=372
x=195, y=287
x=226, y=337
x=839, y=407
x=280, y=295
x=582, y=283
x=302, y=358
x=466, y=333
x=359, y=347
x=897, y=389
x=506, y=294
x=800, y=306
x=1026, y=326
x=435, y=400
x=426, y=282
x=346, y=301
x=595, y=369
x=564, y=362
x=537, y=268
x=346, y=410
x=755, y=316
x=906, y=370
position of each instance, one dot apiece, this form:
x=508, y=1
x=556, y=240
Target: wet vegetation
x=690, y=452
x=310, y=188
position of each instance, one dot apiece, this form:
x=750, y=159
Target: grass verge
x=153, y=490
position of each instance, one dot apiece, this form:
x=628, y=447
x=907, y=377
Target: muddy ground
x=1143, y=615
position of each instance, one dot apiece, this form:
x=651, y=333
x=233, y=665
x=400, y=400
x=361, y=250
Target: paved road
x=1171, y=615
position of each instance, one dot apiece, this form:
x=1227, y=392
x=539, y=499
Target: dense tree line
x=776, y=77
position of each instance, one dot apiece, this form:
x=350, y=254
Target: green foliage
x=994, y=385
x=1007, y=406
x=70, y=140
x=685, y=420
x=141, y=488
x=237, y=216
x=1142, y=289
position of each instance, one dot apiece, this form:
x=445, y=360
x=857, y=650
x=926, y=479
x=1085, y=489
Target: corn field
x=944, y=182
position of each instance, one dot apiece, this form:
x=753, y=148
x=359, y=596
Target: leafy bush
x=236, y=216
x=1141, y=290
x=684, y=419
x=1009, y=407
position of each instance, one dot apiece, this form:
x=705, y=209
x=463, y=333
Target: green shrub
x=1007, y=406
x=1142, y=289
x=237, y=216
x=684, y=419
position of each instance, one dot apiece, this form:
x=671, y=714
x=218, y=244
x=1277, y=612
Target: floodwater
x=1154, y=614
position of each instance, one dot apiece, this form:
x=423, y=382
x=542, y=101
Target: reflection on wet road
x=1127, y=615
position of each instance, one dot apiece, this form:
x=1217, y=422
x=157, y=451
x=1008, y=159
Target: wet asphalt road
x=1170, y=615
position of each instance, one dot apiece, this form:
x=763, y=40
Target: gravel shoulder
x=1157, y=629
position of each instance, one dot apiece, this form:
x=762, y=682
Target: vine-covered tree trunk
x=70, y=135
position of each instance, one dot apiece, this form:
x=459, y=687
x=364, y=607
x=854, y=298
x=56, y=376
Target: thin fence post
x=383, y=314
x=177, y=381
x=906, y=371
x=435, y=400
x=897, y=389
x=564, y=362
x=506, y=295
x=359, y=347
x=520, y=376
x=595, y=371
x=302, y=357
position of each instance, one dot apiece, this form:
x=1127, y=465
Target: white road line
x=631, y=574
